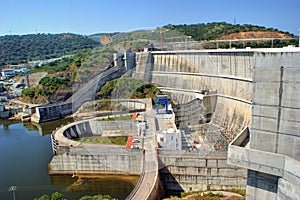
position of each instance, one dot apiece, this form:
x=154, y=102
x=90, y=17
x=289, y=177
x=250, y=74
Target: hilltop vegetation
x=15, y=49
x=223, y=31
x=202, y=33
x=215, y=30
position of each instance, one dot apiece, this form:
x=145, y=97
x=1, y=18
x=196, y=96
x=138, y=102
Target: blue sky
x=94, y=16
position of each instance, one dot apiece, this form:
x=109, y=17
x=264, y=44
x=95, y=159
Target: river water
x=25, y=151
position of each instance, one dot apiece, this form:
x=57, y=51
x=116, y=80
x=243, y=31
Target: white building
x=8, y=73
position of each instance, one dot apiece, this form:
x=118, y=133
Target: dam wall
x=144, y=66
x=270, y=148
x=275, y=125
x=191, y=171
x=228, y=73
x=276, y=111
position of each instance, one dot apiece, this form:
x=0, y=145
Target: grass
x=117, y=140
x=238, y=191
x=209, y=195
x=117, y=118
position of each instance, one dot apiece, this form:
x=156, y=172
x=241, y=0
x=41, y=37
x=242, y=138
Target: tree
x=57, y=196
x=29, y=92
x=44, y=197
x=20, y=49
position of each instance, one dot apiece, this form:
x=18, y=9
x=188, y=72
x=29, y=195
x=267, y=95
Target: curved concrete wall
x=229, y=74
x=98, y=128
x=72, y=156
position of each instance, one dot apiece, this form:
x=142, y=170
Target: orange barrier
x=129, y=142
x=134, y=116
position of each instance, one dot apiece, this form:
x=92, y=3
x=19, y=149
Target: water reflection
x=43, y=129
x=25, y=151
x=7, y=123
x=48, y=127
x=114, y=185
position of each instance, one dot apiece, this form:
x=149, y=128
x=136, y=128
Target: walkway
x=150, y=170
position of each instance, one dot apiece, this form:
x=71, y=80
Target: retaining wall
x=197, y=111
x=76, y=157
x=187, y=171
x=91, y=160
x=84, y=94
x=100, y=128
x=157, y=192
x=52, y=112
x=9, y=113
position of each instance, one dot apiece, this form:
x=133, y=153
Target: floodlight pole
x=299, y=39
x=161, y=40
x=13, y=189
x=161, y=30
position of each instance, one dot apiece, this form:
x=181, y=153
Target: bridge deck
x=150, y=170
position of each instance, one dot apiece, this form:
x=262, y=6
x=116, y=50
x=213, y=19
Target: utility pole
x=161, y=37
x=299, y=39
x=13, y=189
x=161, y=40
x=186, y=40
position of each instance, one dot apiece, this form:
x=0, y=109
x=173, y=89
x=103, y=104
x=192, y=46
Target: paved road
x=151, y=163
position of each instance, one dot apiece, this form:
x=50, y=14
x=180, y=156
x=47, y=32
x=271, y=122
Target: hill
x=171, y=37
x=216, y=30
x=15, y=49
x=254, y=34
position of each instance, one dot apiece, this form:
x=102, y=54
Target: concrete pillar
x=129, y=60
x=118, y=62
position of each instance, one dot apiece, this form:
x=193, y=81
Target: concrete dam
x=242, y=106
x=257, y=99
x=184, y=74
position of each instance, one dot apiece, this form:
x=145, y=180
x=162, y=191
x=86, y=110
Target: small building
x=8, y=73
x=169, y=139
x=168, y=136
x=2, y=89
x=19, y=69
x=1, y=107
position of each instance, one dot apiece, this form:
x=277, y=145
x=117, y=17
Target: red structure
x=129, y=142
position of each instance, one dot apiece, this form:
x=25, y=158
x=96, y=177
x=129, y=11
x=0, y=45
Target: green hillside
x=211, y=31
x=15, y=49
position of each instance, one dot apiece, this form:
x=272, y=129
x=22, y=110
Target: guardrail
x=137, y=186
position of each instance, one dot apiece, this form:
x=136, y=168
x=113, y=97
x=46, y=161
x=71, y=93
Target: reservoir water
x=25, y=151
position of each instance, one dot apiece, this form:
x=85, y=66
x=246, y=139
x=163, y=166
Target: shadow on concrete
x=168, y=181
